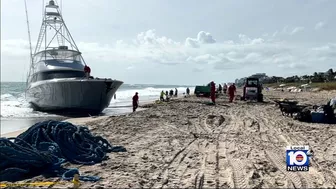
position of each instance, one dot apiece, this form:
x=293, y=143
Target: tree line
x=316, y=77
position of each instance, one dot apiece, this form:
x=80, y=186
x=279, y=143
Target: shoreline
x=77, y=120
x=186, y=142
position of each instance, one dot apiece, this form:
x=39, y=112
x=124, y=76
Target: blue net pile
x=45, y=146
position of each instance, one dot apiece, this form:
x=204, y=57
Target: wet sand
x=186, y=143
x=13, y=126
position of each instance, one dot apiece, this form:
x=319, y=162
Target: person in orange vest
x=213, y=91
x=135, y=100
x=87, y=71
x=231, y=91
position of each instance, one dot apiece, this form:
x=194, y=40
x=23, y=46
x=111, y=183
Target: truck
x=203, y=90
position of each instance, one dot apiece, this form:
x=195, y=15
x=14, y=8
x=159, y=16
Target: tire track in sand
x=199, y=177
x=204, y=173
x=216, y=124
x=237, y=176
x=173, y=163
x=297, y=179
x=177, y=164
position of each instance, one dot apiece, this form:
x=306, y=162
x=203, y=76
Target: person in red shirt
x=87, y=71
x=231, y=91
x=213, y=91
x=135, y=101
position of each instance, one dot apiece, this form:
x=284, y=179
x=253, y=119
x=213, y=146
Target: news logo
x=297, y=158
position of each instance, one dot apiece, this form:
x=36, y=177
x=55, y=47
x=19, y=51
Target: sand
x=186, y=143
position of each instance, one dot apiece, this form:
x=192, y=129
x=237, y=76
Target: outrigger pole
x=30, y=46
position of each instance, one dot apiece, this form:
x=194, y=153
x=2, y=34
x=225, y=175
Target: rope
x=45, y=146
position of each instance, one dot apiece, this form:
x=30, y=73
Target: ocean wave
x=14, y=105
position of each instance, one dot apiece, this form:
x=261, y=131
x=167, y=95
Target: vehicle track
x=304, y=178
x=268, y=139
x=238, y=173
x=178, y=157
x=205, y=168
x=199, y=178
x=174, y=165
x=279, y=140
x=296, y=178
x=237, y=177
x=208, y=175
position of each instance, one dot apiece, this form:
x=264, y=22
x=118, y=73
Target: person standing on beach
x=162, y=95
x=224, y=88
x=213, y=91
x=171, y=93
x=220, y=88
x=175, y=92
x=167, y=97
x=135, y=101
x=188, y=91
x=231, y=91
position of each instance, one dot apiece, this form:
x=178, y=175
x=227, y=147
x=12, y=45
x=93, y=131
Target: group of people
x=168, y=95
x=225, y=89
x=230, y=90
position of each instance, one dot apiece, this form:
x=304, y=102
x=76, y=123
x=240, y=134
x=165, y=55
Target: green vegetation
x=322, y=86
x=323, y=80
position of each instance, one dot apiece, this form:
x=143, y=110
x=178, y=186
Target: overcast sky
x=182, y=41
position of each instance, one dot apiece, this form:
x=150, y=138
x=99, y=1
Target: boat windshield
x=68, y=56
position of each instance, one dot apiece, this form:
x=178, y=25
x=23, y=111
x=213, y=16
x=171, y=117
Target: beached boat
x=58, y=79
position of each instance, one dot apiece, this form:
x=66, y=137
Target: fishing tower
x=54, y=40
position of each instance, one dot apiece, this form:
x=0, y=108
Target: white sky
x=182, y=41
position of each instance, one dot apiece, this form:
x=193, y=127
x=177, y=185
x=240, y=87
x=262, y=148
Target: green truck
x=203, y=90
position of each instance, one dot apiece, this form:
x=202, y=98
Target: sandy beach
x=186, y=143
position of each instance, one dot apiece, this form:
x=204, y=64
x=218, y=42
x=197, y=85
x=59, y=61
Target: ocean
x=17, y=114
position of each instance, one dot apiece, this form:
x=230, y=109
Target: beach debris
x=255, y=175
x=75, y=180
x=46, y=146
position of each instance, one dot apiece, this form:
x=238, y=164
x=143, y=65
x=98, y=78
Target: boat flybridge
x=59, y=79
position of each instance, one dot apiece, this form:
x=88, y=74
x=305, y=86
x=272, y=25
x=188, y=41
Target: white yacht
x=56, y=80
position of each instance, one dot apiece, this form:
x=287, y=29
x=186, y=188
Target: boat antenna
x=30, y=46
x=63, y=28
x=43, y=9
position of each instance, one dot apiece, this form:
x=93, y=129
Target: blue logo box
x=297, y=158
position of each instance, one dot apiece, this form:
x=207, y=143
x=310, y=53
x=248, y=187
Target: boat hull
x=72, y=96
